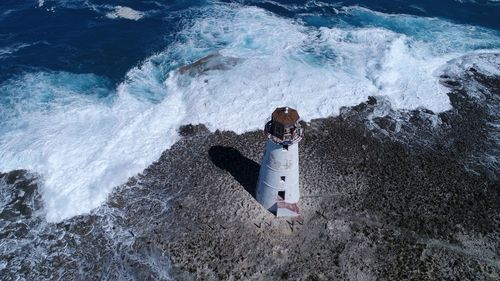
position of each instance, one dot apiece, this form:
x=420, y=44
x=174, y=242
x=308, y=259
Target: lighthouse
x=278, y=184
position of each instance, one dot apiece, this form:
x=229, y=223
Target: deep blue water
x=76, y=38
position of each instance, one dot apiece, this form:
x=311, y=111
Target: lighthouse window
x=281, y=195
x=283, y=178
x=277, y=129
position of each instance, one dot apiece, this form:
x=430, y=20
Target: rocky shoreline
x=390, y=197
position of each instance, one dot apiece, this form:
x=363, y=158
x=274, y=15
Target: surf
x=83, y=135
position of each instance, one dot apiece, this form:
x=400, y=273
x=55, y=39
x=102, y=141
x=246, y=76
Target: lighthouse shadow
x=244, y=170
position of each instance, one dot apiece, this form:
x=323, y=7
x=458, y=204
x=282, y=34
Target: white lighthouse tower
x=278, y=184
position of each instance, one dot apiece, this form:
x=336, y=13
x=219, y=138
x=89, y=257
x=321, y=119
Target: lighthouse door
x=281, y=196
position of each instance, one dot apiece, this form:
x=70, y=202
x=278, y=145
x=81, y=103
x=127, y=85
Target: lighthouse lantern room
x=278, y=184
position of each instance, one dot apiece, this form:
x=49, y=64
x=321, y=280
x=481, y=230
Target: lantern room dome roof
x=285, y=115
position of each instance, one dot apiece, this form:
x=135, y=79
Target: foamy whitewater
x=83, y=136
x=125, y=13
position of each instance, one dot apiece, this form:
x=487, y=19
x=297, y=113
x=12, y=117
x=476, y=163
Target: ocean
x=91, y=93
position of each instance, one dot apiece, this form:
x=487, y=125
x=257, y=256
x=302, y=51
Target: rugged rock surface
x=370, y=209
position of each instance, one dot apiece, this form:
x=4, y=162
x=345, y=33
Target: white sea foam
x=83, y=143
x=488, y=64
x=125, y=13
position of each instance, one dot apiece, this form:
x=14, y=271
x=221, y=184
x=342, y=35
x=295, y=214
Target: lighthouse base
x=285, y=209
